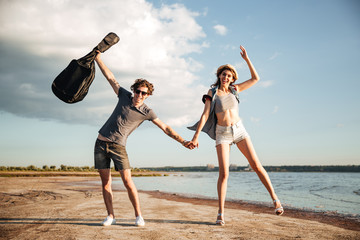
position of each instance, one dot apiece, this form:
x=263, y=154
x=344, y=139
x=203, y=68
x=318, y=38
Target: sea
x=337, y=193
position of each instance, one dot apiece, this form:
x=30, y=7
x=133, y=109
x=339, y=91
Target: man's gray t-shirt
x=125, y=118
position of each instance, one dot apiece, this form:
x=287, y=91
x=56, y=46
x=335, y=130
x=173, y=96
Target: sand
x=70, y=207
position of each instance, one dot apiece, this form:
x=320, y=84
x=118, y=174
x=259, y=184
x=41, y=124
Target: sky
x=303, y=111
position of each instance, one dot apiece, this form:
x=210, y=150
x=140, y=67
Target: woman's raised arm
x=254, y=75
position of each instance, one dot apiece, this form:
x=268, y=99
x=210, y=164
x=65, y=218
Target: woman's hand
x=243, y=53
x=194, y=142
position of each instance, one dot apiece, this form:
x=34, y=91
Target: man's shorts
x=104, y=152
x=230, y=134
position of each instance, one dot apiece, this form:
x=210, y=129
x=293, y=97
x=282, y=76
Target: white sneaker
x=139, y=221
x=108, y=221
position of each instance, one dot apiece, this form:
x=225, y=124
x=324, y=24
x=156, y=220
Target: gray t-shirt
x=125, y=118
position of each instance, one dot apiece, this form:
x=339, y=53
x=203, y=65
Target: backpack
x=73, y=83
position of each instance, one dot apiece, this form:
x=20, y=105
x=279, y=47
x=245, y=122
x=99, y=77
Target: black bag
x=73, y=83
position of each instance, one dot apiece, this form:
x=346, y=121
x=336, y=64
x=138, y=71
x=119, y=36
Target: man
x=128, y=114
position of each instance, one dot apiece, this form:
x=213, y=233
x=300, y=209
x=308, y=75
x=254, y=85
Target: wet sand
x=68, y=207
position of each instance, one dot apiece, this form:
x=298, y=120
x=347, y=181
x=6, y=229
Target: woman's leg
x=131, y=189
x=247, y=148
x=223, y=152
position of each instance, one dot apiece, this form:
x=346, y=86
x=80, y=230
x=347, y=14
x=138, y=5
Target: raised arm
x=107, y=73
x=171, y=133
x=204, y=117
x=254, y=75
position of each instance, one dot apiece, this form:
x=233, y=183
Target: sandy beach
x=67, y=207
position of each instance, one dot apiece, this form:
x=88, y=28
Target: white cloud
x=265, y=84
x=205, y=11
x=275, y=55
x=255, y=120
x=258, y=37
x=154, y=44
x=275, y=110
x=241, y=66
x=220, y=29
x=229, y=47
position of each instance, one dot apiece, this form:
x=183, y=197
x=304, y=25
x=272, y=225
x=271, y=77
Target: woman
x=220, y=119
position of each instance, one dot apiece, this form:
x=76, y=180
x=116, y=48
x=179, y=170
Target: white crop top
x=223, y=103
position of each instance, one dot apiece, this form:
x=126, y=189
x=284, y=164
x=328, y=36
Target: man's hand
x=189, y=145
x=97, y=57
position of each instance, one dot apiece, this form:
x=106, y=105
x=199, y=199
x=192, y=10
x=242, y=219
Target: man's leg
x=105, y=175
x=131, y=189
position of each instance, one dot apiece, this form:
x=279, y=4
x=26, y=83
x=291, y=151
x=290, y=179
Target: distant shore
x=235, y=168
x=90, y=171
x=75, y=174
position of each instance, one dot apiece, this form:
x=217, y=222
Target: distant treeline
x=62, y=168
x=346, y=168
x=47, y=168
x=304, y=168
x=211, y=168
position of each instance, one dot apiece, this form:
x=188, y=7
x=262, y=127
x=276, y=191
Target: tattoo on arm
x=171, y=133
x=116, y=84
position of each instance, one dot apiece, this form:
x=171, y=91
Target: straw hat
x=227, y=67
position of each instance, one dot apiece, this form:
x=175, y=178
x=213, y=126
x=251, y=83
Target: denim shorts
x=230, y=134
x=104, y=152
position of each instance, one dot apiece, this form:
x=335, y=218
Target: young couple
x=220, y=120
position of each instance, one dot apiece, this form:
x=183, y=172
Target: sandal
x=280, y=210
x=219, y=221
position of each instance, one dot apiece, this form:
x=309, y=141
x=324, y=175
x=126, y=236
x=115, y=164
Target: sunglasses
x=137, y=91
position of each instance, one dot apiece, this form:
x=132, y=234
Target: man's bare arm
x=171, y=133
x=107, y=74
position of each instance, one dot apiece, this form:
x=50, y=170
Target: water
x=338, y=192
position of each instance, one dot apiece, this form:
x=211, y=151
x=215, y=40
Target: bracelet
x=183, y=142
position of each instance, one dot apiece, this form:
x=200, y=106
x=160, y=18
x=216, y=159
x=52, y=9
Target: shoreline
x=336, y=219
x=73, y=208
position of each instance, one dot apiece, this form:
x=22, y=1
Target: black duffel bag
x=73, y=83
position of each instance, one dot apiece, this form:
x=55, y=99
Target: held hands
x=189, y=144
x=195, y=143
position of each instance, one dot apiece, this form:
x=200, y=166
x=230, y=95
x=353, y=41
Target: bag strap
x=233, y=91
x=213, y=91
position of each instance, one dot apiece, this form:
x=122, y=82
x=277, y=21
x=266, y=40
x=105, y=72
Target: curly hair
x=140, y=82
x=223, y=68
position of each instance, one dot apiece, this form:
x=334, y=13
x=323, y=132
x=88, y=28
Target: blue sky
x=304, y=110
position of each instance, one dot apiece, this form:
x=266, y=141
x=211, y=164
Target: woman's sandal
x=219, y=221
x=280, y=210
